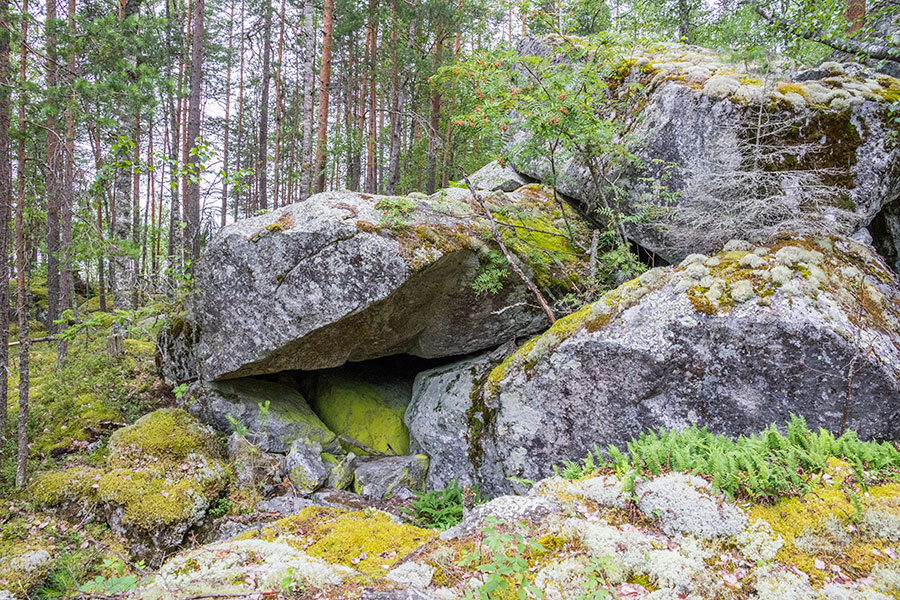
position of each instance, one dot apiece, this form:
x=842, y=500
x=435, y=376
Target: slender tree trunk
x=306, y=156
x=52, y=170
x=262, y=163
x=192, y=212
x=226, y=173
x=361, y=97
x=276, y=191
x=684, y=21
x=122, y=275
x=324, y=90
x=395, y=96
x=21, y=312
x=240, y=118
x=5, y=213
x=448, y=144
x=397, y=102
x=435, y=122
x=67, y=282
x=135, y=212
x=855, y=15
x=372, y=35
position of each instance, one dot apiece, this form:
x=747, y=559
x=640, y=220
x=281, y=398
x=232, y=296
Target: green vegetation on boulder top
x=764, y=466
x=165, y=435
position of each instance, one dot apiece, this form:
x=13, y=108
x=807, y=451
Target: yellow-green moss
x=817, y=526
x=154, y=497
x=58, y=487
x=367, y=540
x=166, y=434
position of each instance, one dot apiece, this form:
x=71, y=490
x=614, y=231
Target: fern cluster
x=441, y=509
x=758, y=467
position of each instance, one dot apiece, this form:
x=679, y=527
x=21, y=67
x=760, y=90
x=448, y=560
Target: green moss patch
x=165, y=435
x=366, y=540
x=364, y=408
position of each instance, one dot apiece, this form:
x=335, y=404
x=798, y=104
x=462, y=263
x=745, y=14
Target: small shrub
x=441, y=509
x=501, y=559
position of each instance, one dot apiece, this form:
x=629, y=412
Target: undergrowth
x=759, y=467
x=442, y=509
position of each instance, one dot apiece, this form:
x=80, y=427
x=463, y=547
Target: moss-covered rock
x=164, y=472
x=270, y=415
x=363, y=407
x=383, y=477
x=368, y=540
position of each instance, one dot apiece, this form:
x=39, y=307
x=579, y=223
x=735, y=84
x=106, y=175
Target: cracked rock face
x=351, y=277
x=814, y=331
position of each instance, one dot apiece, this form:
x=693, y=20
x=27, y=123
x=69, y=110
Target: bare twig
x=495, y=233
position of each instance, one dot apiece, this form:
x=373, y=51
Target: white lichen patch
x=239, y=567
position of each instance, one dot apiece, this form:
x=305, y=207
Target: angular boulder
x=351, y=277
x=270, y=415
x=383, y=477
x=444, y=419
x=304, y=466
x=494, y=176
x=828, y=133
x=732, y=342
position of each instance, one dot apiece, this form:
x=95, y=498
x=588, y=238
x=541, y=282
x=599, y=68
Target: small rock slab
x=383, y=477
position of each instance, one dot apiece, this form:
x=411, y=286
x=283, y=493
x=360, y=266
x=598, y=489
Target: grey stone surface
x=682, y=132
x=285, y=505
x=304, y=466
x=274, y=414
x=669, y=355
x=507, y=509
x=439, y=419
x=350, y=277
x=382, y=477
x=494, y=177
x=686, y=504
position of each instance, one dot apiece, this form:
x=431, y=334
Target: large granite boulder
x=723, y=151
x=732, y=342
x=445, y=419
x=351, y=277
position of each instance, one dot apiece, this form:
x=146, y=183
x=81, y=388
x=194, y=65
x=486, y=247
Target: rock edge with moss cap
x=816, y=333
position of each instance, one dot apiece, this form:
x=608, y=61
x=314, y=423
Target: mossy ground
x=367, y=540
x=73, y=412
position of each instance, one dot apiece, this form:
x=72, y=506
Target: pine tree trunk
x=309, y=67
x=398, y=98
x=372, y=35
x=225, y=146
x=324, y=89
x=276, y=191
x=240, y=118
x=5, y=210
x=262, y=163
x=21, y=312
x=192, y=212
x=67, y=282
x=435, y=122
x=855, y=15
x=361, y=96
x=51, y=173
